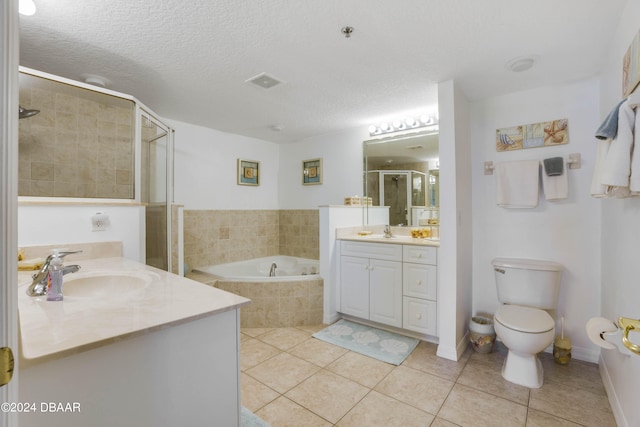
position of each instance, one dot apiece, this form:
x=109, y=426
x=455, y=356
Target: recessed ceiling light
x=521, y=63
x=264, y=80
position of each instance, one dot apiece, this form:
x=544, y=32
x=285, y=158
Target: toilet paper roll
x=597, y=327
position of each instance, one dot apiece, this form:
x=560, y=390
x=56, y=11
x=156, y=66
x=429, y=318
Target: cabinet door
x=385, y=287
x=354, y=286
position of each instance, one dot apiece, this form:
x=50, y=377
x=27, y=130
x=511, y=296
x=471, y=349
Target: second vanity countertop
x=399, y=236
x=397, y=240
x=52, y=329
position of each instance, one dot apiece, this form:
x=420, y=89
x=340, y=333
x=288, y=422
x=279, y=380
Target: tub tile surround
x=278, y=304
x=425, y=390
x=214, y=237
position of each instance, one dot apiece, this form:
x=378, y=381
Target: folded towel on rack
x=517, y=184
x=609, y=127
x=556, y=186
x=553, y=166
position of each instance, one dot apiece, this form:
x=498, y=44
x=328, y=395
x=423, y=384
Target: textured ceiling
x=188, y=60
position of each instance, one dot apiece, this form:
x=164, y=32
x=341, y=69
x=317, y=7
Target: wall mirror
x=402, y=172
x=74, y=142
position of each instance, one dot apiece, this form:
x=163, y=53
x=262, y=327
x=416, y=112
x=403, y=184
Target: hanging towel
x=517, y=184
x=609, y=127
x=556, y=187
x=553, y=166
x=598, y=189
x=617, y=165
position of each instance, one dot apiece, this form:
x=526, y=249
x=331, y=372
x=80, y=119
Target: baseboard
x=586, y=355
x=328, y=319
x=454, y=353
x=616, y=408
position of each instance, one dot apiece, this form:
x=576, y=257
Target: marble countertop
x=396, y=239
x=54, y=329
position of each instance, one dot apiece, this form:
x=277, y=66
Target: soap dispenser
x=54, y=278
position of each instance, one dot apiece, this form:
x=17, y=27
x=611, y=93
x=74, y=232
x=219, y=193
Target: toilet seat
x=524, y=319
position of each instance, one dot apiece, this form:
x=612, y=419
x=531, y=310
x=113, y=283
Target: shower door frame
x=142, y=114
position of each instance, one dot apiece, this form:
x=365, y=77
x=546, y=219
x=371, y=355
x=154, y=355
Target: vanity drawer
x=419, y=315
x=420, y=280
x=387, y=251
x=420, y=254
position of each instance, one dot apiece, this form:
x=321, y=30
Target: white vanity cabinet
x=390, y=283
x=371, y=281
x=419, y=289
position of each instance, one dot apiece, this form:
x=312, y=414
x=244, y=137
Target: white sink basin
x=378, y=236
x=107, y=283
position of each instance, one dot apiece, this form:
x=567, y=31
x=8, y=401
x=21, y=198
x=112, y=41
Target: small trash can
x=481, y=334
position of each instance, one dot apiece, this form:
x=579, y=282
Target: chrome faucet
x=272, y=271
x=38, y=286
x=387, y=231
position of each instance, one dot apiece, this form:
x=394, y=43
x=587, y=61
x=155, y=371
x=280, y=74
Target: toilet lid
x=524, y=319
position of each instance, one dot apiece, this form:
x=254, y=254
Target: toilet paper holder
x=627, y=325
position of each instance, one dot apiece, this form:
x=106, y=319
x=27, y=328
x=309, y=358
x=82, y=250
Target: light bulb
x=410, y=121
x=27, y=7
x=373, y=129
x=384, y=126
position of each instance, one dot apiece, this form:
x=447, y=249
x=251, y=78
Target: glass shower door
x=156, y=191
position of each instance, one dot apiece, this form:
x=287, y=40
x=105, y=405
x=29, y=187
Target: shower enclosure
x=84, y=145
x=402, y=190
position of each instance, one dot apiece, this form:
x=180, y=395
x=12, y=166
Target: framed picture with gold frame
x=248, y=172
x=312, y=172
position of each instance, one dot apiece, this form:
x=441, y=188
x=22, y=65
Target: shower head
x=24, y=113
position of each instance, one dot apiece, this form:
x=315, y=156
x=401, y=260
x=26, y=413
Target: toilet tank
x=528, y=282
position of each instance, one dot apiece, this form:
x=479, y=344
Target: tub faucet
x=38, y=286
x=272, y=271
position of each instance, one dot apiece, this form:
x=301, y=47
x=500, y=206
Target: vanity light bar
x=407, y=123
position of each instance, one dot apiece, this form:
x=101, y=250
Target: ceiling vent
x=264, y=80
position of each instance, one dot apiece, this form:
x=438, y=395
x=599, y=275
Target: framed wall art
x=631, y=66
x=544, y=134
x=312, y=172
x=248, y=172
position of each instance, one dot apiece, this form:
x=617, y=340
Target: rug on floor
x=382, y=345
x=249, y=419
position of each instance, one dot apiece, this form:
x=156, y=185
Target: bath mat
x=249, y=419
x=382, y=345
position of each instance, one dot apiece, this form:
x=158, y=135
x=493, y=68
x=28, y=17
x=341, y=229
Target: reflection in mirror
x=402, y=173
x=80, y=144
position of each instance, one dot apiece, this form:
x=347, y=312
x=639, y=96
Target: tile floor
x=291, y=379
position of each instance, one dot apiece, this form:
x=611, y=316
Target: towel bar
x=574, y=161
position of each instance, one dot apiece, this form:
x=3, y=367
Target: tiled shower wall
x=74, y=147
x=220, y=236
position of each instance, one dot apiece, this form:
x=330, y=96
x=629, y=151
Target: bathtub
x=288, y=268
x=294, y=297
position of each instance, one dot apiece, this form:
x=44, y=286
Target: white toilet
x=527, y=288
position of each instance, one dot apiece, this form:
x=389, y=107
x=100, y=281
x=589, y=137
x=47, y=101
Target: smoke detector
x=522, y=63
x=264, y=80
x=96, y=80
